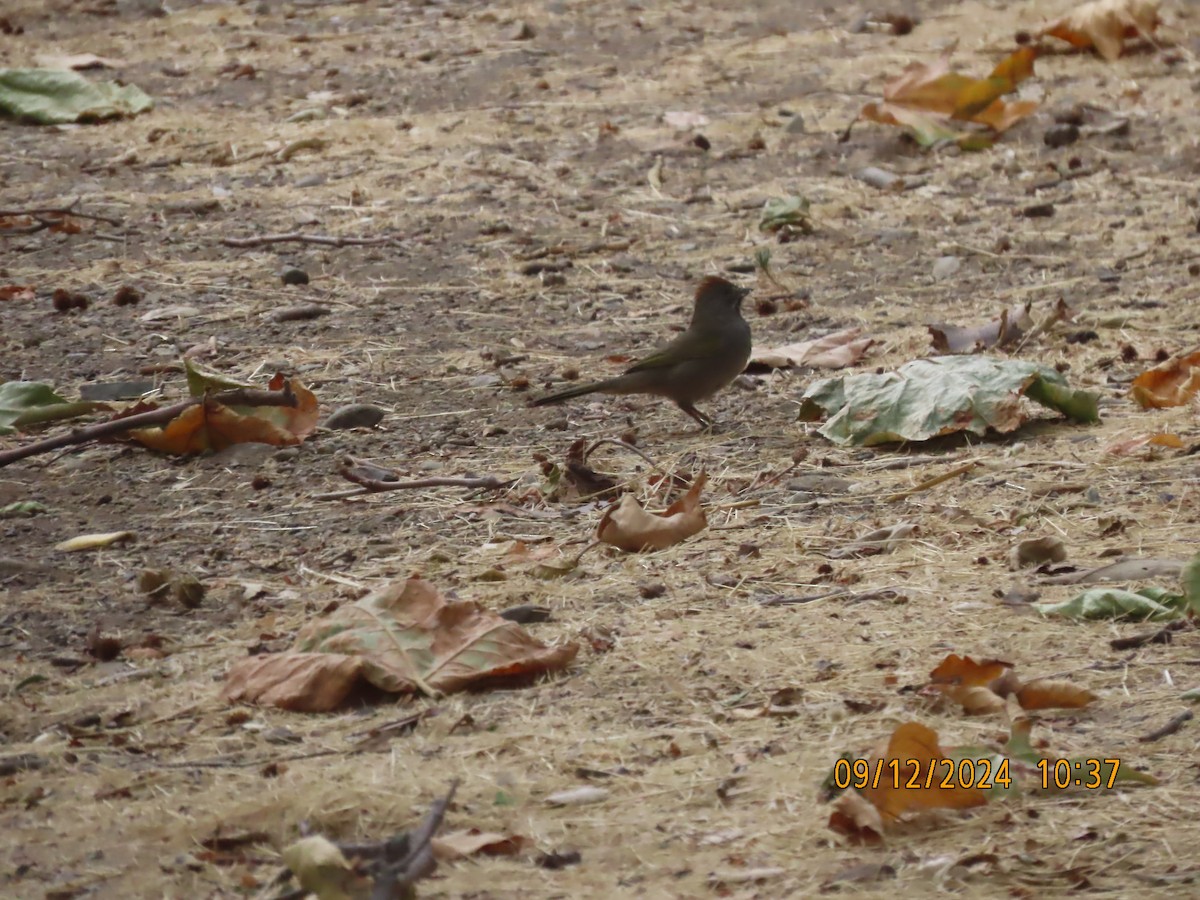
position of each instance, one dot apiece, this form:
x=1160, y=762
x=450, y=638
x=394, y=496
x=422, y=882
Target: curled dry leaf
x=403, y=638
x=980, y=687
x=1160, y=439
x=1105, y=24
x=1171, y=383
x=323, y=870
x=1011, y=326
x=93, y=541
x=914, y=754
x=834, y=351
x=628, y=526
x=472, y=842
x=930, y=100
x=1036, y=551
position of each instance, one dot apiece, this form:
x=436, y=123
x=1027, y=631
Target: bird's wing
x=686, y=346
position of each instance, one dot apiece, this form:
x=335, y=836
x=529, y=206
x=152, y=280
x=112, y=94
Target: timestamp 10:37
x=982, y=774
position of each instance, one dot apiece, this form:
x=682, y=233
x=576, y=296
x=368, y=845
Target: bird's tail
x=590, y=388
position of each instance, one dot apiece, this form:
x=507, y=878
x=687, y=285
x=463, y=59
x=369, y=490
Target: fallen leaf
x=628, y=526
x=1035, y=551
x=403, y=638
x=1105, y=24
x=1174, y=382
x=930, y=100
x=209, y=425
x=323, y=870
x=1112, y=603
x=1124, y=570
x=463, y=844
x=93, y=541
x=834, y=351
x=941, y=395
x=1158, y=439
x=1049, y=694
x=17, y=292
x=914, y=757
x=980, y=687
x=1009, y=328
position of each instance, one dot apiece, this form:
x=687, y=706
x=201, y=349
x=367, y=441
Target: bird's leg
x=705, y=421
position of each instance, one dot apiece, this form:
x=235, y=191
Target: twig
x=248, y=764
x=328, y=240
x=1170, y=728
x=931, y=482
x=240, y=397
x=58, y=214
x=404, y=858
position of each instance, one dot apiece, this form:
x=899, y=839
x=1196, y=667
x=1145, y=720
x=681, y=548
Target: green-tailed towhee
x=708, y=356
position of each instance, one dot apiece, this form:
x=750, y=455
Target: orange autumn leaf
x=929, y=99
x=980, y=687
x=918, y=757
x=1105, y=24
x=1172, y=383
x=1161, y=439
x=1053, y=695
x=628, y=526
x=209, y=425
x=17, y=292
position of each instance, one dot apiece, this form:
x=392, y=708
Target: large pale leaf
x=928, y=398
x=403, y=638
x=1117, y=604
x=54, y=97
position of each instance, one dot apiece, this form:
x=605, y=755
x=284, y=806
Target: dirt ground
x=489, y=150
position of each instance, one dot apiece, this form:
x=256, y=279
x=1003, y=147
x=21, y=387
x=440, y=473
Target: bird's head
x=717, y=299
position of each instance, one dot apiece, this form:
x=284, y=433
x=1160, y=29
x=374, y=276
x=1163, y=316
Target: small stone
x=650, y=590
x=355, y=415
x=1061, y=135
x=1038, y=211
x=796, y=125
x=293, y=276
x=522, y=31
x=946, y=267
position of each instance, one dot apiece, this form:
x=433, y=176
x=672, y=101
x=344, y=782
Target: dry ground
x=477, y=151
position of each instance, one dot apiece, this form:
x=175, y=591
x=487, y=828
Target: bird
x=705, y=358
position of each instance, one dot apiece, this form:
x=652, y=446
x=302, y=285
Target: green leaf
x=22, y=509
x=1117, y=604
x=33, y=403
x=201, y=381
x=54, y=97
x=785, y=212
x=941, y=395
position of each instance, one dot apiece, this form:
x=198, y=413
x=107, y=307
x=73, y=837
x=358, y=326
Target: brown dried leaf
x=404, y=637
x=1105, y=24
x=628, y=526
x=1160, y=439
x=1046, y=694
x=834, y=351
x=462, y=844
x=1007, y=329
x=1172, y=383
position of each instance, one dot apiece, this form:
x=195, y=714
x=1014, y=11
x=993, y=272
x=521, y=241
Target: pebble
x=293, y=276
x=355, y=415
x=1061, y=135
x=946, y=267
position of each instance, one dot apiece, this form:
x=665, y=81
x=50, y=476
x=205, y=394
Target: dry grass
x=437, y=127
